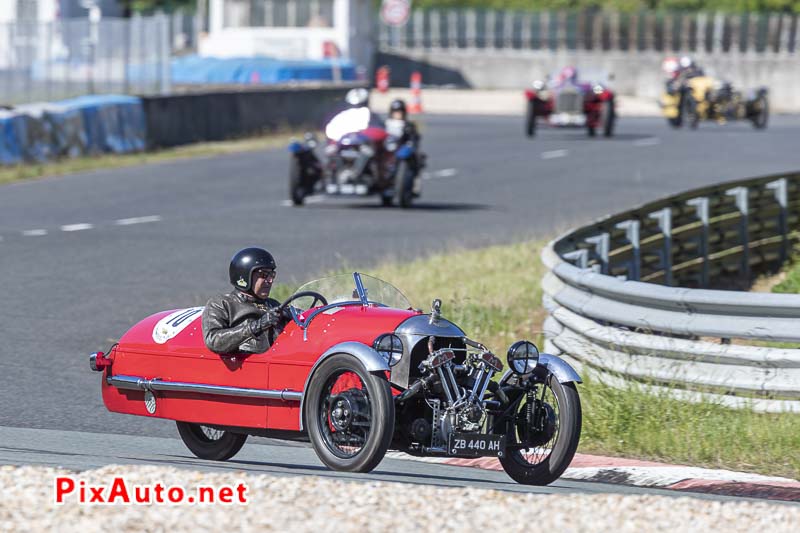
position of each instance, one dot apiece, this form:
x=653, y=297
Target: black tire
x=372, y=404
x=386, y=200
x=297, y=186
x=762, y=117
x=690, y=110
x=206, y=445
x=404, y=184
x=591, y=131
x=530, y=119
x=608, y=118
x=563, y=449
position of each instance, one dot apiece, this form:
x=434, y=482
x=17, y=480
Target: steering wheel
x=317, y=298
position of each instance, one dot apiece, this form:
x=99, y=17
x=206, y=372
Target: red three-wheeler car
x=357, y=371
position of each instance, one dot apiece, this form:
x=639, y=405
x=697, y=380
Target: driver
x=245, y=320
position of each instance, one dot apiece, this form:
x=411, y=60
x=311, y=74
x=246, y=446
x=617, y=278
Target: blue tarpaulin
x=258, y=70
x=113, y=123
x=87, y=124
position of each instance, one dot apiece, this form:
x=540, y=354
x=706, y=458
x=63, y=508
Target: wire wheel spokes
x=534, y=443
x=211, y=433
x=345, y=414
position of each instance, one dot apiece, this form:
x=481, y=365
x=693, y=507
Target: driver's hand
x=268, y=320
x=286, y=313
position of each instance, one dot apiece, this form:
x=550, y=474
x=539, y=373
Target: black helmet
x=245, y=262
x=397, y=105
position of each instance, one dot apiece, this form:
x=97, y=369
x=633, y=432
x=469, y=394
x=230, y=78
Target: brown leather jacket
x=226, y=324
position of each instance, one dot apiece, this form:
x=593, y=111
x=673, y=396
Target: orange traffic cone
x=415, y=107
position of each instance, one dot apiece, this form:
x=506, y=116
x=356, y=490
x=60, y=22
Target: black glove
x=286, y=314
x=268, y=320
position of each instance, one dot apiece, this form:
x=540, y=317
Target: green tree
x=148, y=6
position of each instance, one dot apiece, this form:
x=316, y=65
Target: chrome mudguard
x=562, y=370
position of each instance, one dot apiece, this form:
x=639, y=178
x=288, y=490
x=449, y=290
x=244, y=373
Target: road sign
x=395, y=12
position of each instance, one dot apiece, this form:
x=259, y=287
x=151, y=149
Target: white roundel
x=174, y=323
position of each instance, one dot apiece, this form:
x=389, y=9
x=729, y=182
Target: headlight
x=522, y=357
x=390, y=347
x=538, y=85
x=598, y=89
x=367, y=150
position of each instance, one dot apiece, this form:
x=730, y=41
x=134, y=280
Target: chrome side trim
x=371, y=360
x=156, y=384
x=562, y=370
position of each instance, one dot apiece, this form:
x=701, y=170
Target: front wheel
x=692, y=111
x=297, y=186
x=404, y=184
x=349, y=413
x=762, y=113
x=530, y=119
x=541, y=445
x=608, y=118
x=209, y=443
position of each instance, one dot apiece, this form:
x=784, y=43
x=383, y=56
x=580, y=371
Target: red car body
x=284, y=367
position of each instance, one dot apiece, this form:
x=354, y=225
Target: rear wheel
x=538, y=453
x=209, y=443
x=349, y=414
x=530, y=119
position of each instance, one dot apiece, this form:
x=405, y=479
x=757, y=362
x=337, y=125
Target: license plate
x=476, y=445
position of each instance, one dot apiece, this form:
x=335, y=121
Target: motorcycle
x=703, y=98
x=362, y=157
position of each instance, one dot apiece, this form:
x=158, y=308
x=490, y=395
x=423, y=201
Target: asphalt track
x=85, y=256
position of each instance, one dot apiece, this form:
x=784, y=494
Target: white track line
x=444, y=173
x=76, y=227
x=137, y=220
x=650, y=141
x=554, y=154
x=34, y=232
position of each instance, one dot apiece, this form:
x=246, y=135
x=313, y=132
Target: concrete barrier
x=635, y=73
x=224, y=114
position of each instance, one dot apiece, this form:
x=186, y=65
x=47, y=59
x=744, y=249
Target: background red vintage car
x=566, y=100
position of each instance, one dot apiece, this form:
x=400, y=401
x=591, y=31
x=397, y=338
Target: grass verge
x=494, y=294
x=27, y=171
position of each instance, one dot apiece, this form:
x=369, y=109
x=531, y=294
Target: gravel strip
x=307, y=503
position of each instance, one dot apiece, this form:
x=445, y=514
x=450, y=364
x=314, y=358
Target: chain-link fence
x=595, y=30
x=72, y=57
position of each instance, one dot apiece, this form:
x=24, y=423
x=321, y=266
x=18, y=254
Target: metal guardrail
x=595, y=29
x=646, y=295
